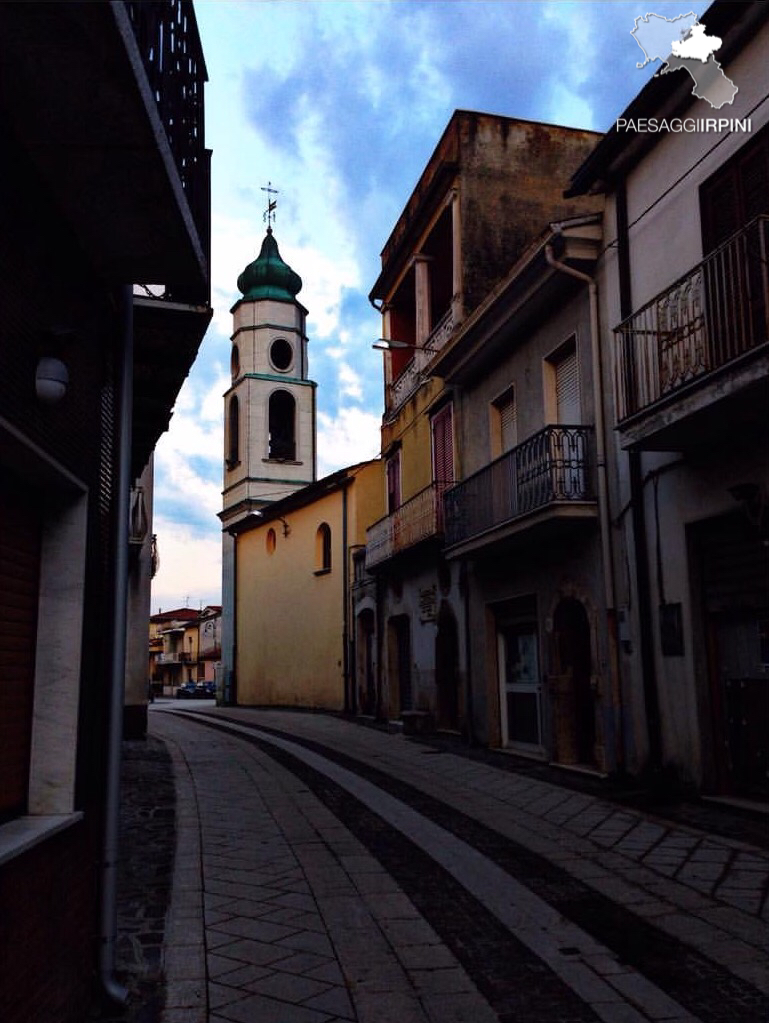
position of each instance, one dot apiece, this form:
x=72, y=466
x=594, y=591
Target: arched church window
x=323, y=549
x=282, y=426
x=235, y=362
x=233, y=432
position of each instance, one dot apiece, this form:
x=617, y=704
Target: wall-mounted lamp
x=51, y=380
x=138, y=525
x=257, y=513
x=388, y=344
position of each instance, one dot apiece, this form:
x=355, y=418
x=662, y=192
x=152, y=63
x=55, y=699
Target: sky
x=339, y=105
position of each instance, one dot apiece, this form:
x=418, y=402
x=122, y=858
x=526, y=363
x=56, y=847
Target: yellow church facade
x=294, y=637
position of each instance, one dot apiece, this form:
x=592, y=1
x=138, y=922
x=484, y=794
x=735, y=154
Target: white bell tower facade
x=269, y=415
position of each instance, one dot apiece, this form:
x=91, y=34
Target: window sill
x=282, y=461
x=322, y=571
x=19, y=836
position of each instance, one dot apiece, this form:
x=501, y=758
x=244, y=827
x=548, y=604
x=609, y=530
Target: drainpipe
x=464, y=584
x=604, y=517
x=348, y=701
x=108, y=934
x=638, y=518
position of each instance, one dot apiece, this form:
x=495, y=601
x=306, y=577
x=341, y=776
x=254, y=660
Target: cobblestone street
x=326, y=872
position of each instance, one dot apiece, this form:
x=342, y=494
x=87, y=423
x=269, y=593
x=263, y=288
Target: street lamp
x=389, y=344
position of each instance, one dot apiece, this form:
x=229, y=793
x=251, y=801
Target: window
x=235, y=362
x=271, y=541
x=393, y=472
x=281, y=354
x=282, y=426
x=562, y=386
x=504, y=423
x=233, y=424
x=736, y=194
x=442, y=426
x=323, y=549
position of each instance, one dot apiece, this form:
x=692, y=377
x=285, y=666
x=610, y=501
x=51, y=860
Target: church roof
x=268, y=276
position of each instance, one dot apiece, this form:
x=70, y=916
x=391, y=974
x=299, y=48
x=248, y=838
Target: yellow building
x=294, y=643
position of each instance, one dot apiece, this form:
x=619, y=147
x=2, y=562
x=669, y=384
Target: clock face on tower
x=281, y=354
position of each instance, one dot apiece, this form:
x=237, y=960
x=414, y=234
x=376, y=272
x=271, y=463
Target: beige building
x=294, y=572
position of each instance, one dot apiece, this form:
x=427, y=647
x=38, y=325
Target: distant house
x=174, y=644
x=209, y=642
x=104, y=300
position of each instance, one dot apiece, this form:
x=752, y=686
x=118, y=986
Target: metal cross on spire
x=269, y=214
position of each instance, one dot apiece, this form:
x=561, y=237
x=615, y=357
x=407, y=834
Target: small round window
x=271, y=541
x=281, y=353
x=235, y=361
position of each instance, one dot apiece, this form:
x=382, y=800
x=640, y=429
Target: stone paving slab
x=353, y=931
x=699, y=862
x=302, y=924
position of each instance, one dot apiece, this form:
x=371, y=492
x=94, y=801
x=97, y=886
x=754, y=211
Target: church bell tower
x=269, y=417
x=269, y=412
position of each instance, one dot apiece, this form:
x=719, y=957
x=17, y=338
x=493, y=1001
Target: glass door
x=520, y=685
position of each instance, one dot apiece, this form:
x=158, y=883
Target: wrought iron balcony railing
x=711, y=316
x=168, y=39
x=417, y=519
x=552, y=467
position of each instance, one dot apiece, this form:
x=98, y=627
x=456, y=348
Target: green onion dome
x=268, y=276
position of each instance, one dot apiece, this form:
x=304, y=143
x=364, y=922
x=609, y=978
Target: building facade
x=528, y=522
x=106, y=188
x=295, y=574
x=490, y=185
x=683, y=305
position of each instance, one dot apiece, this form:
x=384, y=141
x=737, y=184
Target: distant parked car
x=186, y=691
x=196, y=691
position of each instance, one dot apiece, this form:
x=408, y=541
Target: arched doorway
x=447, y=668
x=575, y=732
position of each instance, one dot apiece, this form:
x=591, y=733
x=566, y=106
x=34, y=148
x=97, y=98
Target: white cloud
x=188, y=457
x=349, y=437
x=183, y=578
x=350, y=385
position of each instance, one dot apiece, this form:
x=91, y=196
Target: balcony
x=701, y=343
x=549, y=473
x=179, y=657
x=169, y=44
x=408, y=381
x=416, y=520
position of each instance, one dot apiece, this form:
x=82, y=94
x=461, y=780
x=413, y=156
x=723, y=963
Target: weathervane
x=269, y=213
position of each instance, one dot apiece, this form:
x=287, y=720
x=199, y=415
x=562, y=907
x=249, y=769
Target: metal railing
x=181, y=657
x=706, y=319
x=552, y=467
x=417, y=519
x=407, y=381
x=167, y=35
